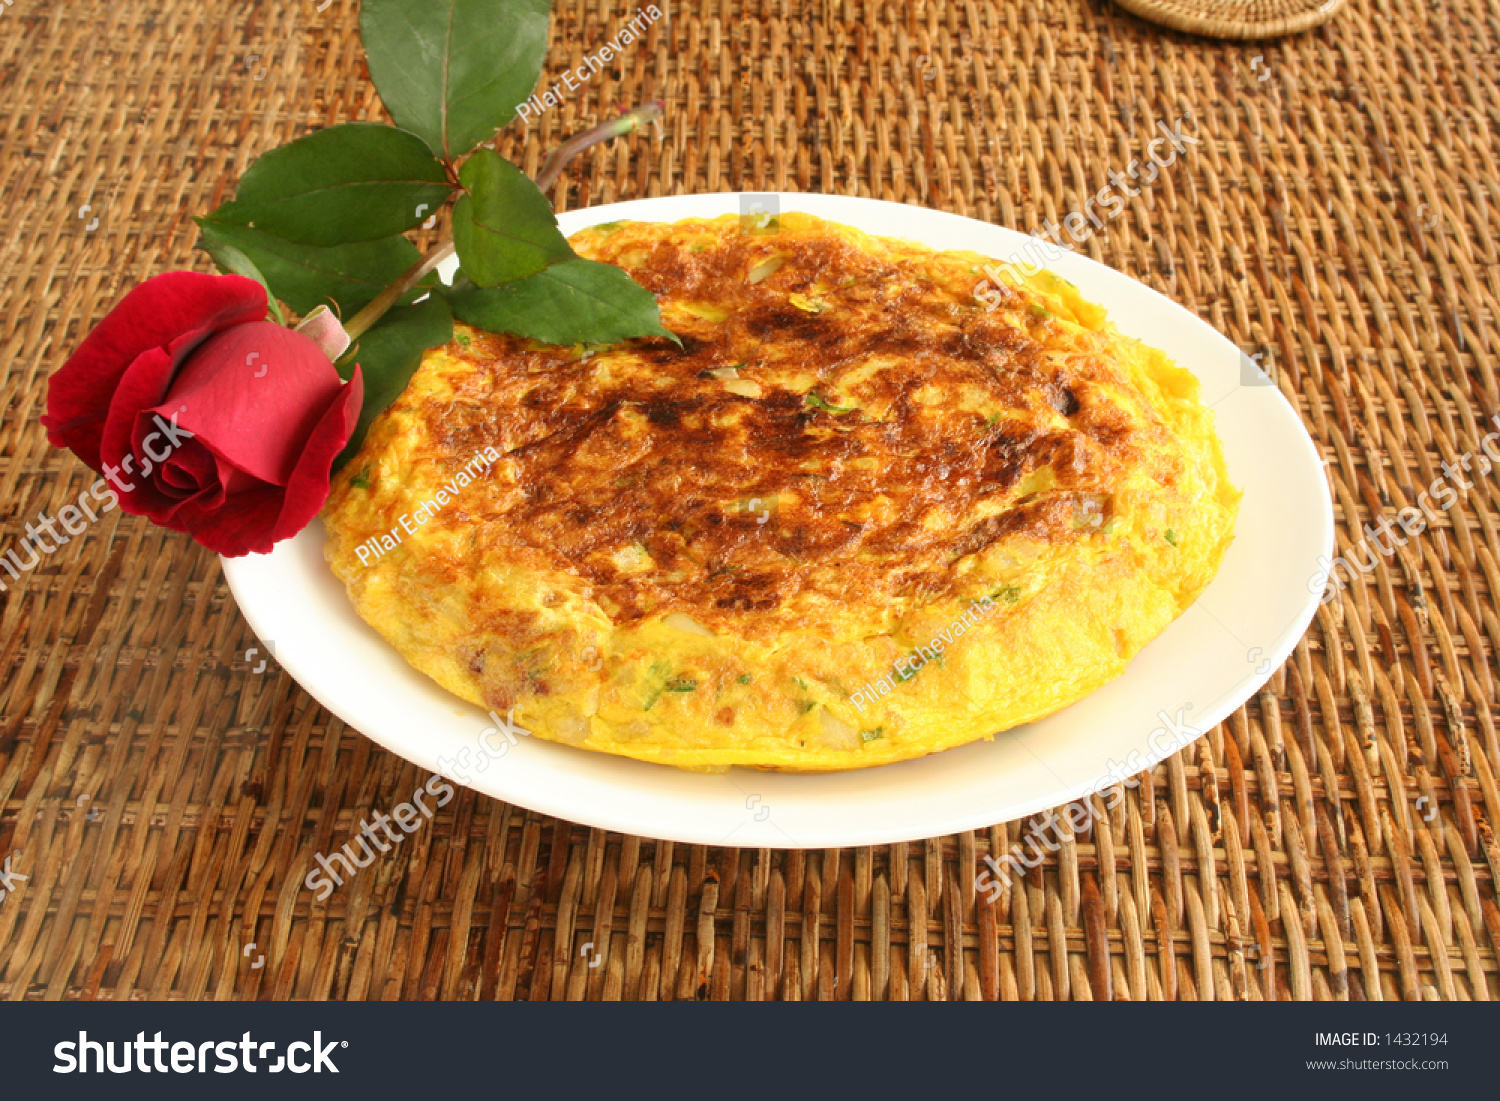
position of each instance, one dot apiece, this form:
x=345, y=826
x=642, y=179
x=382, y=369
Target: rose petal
x=143, y=383
x=253, y=394
x=183, y=473
x=152, y=315
x=159, y=500
x=234, y=530
x=307, y=490
x=193, y=475
x=253, y=522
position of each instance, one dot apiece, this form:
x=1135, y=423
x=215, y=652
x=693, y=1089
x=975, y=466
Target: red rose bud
x=204, y=416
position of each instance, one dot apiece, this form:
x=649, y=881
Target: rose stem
x=615, y=128
x=628, y=122
x=362, y=321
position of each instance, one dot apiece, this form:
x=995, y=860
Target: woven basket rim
x=1202, y=16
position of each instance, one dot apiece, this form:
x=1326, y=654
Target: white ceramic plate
x=1202, y=668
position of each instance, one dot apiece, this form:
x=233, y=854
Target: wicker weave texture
x=1333, y=839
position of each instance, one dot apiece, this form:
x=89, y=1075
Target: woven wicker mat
x=1331, y=840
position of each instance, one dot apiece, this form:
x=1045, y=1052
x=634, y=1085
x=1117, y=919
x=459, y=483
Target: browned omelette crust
x=907, y=454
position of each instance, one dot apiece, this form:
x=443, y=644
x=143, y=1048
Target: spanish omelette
x=856, y=517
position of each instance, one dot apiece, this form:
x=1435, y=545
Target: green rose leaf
x=453, y=71
x=304, y=276
x=357, y=182
x=504, y=228
x=232, y=260
x=388, y=355
x=575, y=302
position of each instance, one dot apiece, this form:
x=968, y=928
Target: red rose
x=203, y=415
